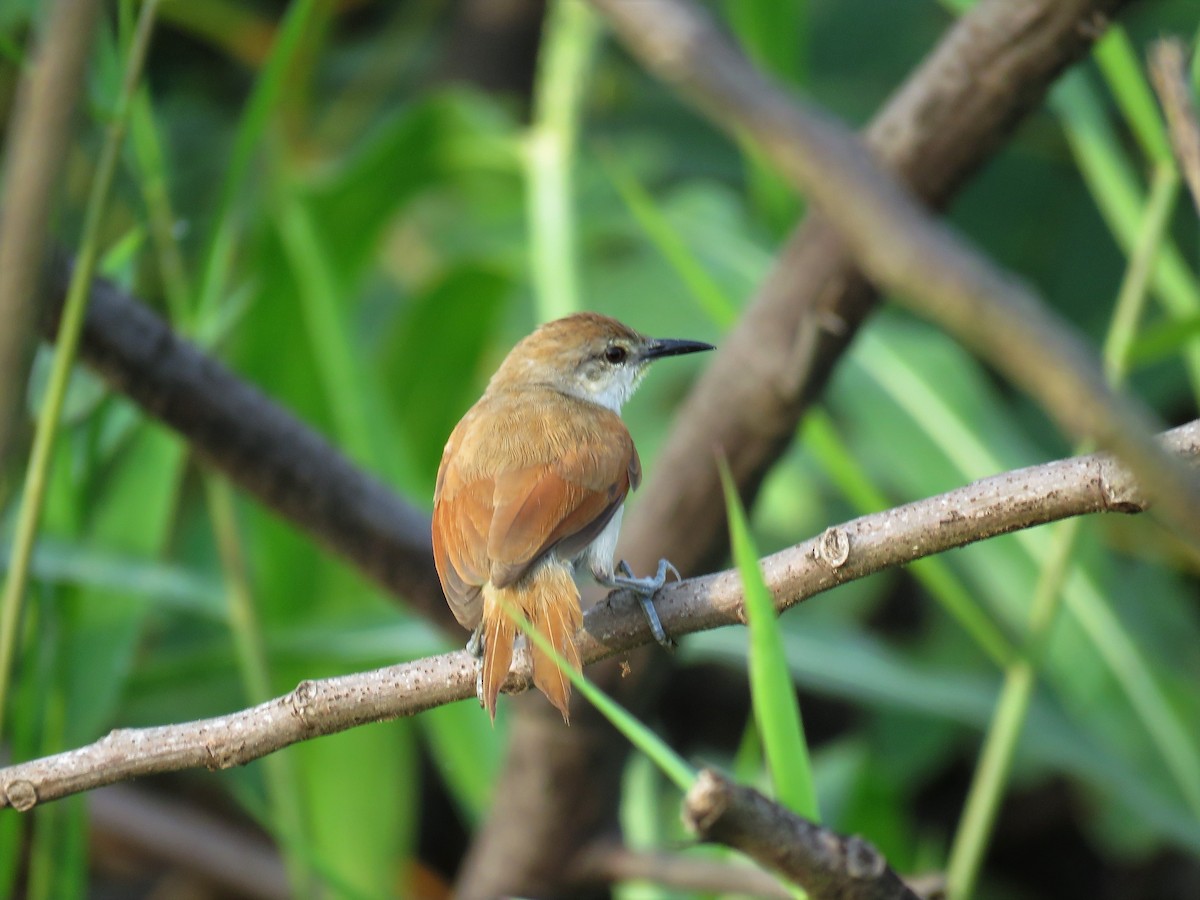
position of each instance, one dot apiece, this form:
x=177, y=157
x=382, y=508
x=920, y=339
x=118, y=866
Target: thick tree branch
x=992, y=67
x=990, y=70
x=258, y=445
x=1019, y=499
x=827, y=865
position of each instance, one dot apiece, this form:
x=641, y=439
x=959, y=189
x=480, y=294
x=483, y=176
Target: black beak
x=660, y=347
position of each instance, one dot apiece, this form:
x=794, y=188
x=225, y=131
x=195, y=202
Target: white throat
x=615, y=391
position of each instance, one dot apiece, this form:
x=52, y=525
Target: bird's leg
x=644, y=589
x=475, y=642
x=475, y=648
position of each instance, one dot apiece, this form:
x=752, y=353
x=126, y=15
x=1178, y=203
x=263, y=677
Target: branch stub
x=834, y=548
x=22, y=795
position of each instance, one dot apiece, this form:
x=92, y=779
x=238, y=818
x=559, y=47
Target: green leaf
x=1163, y=340
x=442, y=341
x=774, y=34
x=411, y=153
x=773, y=694
x=666, y=238
x=1125, y=76
x=362, y=790
x=1120, y=196
x=642, y=737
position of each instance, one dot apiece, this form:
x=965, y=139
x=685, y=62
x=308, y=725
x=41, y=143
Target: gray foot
x=475, y=642
x=645, y=589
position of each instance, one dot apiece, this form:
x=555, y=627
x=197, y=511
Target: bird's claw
x=645, y=589
x=649, y=585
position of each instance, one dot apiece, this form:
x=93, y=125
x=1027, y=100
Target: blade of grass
x=774, y=34
x=1196, y=62
x=363, y=426
x=68, y=341
x=1162, y=340
x=218, y=253
x=663, y=235
x=335, y=359
x=1123, y=71
x=1084, y=598
x=644, y=822
x=569, y=40
x=1012, y=708
x=152, y=180
x=285, y=795
x=772, y=693
x=1114, y=185
x=659, y=751
x=1131, y=299
x=254, y=668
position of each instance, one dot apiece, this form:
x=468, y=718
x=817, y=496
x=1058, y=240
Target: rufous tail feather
x=499, y=631
x=557, y=616
x=549, y=599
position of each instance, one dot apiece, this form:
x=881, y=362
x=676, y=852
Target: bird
x=531, y=486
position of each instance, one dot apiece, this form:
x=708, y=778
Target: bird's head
x=589, y=356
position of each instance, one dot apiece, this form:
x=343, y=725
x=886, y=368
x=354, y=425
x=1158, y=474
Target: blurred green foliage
x=353, y=232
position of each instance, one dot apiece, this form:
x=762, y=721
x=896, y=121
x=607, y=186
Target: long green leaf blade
x=772, y=692
x=672, y=764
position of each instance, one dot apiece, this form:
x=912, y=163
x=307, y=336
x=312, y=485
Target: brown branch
x=901, y=247
x=258, y=445
x=173, y=833
x=1019, y=499
x=991, y=68
x=1168, y=69
x=609, y=862
x=38, y=136
x=827, y=865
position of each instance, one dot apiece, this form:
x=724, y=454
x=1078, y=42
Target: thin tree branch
x=1019, y=499
x=258, y=445
x=38, y=136
x=990, y=70
x=170, y=832
x=827, y=865
x=610, y=862
x=1168, y=69
x=902, y=247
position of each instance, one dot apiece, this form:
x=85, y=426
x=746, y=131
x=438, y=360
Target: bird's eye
x=615, y=354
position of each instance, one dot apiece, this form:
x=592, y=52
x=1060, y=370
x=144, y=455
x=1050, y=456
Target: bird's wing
x=462, y=515
x=494, y=521
x=564, y=502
